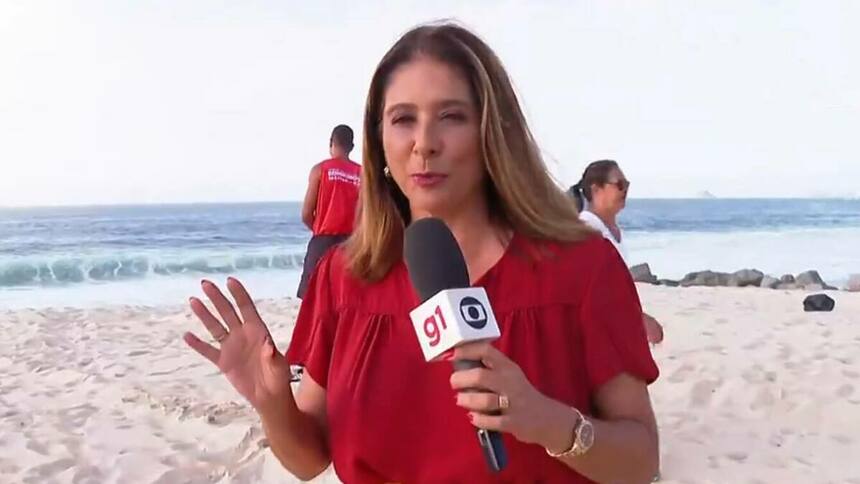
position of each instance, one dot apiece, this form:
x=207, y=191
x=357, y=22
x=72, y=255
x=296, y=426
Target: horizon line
x=253, y=202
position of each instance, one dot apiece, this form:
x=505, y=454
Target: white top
x=594, y=222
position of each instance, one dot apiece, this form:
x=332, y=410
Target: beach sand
x=752, y=390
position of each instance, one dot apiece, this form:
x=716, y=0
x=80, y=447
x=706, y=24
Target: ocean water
x=85, y=256
x=776, y=236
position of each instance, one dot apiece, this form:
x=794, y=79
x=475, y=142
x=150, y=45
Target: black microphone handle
x=490, y=440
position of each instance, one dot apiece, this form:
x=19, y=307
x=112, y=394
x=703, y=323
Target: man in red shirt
x=331, y=201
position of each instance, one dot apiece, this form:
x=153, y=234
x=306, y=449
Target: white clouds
x=190, y=101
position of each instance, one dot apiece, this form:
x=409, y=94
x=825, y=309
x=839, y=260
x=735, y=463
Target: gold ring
x=504, y=403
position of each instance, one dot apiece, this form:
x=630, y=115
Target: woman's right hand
x=247, y=355
x=653, y=329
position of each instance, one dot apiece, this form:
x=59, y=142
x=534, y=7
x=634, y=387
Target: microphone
x=451, y=312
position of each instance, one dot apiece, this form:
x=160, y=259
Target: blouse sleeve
x=591, y=220
x=614, y=334
x=313, y=336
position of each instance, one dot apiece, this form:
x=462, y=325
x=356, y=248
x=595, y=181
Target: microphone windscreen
x=433, y=258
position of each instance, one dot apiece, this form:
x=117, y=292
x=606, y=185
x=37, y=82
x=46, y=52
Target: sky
x=215, y=101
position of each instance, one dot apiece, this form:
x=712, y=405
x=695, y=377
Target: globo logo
x=473, y=312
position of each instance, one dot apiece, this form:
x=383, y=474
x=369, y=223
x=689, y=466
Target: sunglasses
x=622, y=185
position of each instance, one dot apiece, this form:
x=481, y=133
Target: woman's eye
x=402, y=119
x=454, y=116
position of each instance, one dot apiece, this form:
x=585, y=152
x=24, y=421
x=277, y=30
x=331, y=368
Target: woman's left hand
x=530, y=416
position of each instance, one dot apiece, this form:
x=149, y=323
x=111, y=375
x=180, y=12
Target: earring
x=386, y=172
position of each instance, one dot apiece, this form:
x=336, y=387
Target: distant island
x=705, y=194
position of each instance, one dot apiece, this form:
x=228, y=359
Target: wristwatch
x=583, y=437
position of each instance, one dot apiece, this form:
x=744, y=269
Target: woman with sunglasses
x=604, y=186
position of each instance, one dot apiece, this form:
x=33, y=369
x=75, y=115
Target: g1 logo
x=431, y=327
x=473, y=312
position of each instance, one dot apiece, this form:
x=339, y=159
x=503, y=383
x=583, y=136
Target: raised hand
x=247, y=356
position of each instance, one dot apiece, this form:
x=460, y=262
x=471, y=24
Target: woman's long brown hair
x=521, y=193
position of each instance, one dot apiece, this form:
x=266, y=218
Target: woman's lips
x=428, y=180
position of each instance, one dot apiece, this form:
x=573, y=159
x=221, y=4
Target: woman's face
x=431, y=138
x=612, y=195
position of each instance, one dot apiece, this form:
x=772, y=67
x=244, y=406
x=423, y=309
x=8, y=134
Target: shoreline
x=643, y=279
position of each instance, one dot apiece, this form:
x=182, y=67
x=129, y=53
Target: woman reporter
x=445, y=137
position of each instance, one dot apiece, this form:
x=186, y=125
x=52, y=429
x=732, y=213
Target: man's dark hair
x=342, y=136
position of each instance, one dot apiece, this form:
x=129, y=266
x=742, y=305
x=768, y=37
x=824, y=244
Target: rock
x=787, y=285
x=818, y=302
x=853, y=283
x=809, y=278
x=788, y=279
x=705, y=278
x=745, y=277
x=813, y=287
x=642, y=273
x=668, y=283
x=769, y=282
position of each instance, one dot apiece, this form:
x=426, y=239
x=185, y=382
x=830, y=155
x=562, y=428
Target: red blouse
x=569, y=315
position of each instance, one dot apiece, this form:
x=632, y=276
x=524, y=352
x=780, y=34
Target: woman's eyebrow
x=445, y=103
x=399, y=107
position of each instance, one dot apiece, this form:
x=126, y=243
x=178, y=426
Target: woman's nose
x=427, y=142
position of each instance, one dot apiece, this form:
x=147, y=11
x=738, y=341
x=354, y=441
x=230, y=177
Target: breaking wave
x=73, y=269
